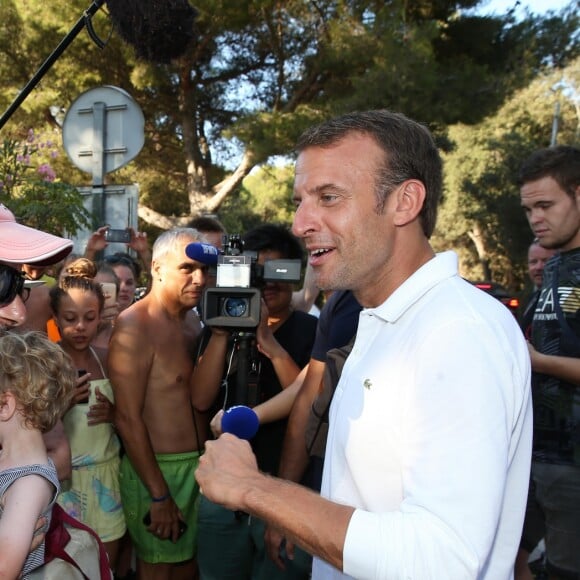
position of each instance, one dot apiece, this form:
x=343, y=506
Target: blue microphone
x=204, y=253
x=240, y=421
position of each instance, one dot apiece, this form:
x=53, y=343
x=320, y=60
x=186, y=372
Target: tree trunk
x=478, y=240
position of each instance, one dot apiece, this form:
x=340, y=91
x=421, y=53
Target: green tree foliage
x=30, y=188
x=260, y=71
x=481, y=215
x=265, y=197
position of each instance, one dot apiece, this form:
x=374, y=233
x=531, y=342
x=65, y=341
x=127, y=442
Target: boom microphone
x=204, y=253
x=240, y=421
x=158, y=30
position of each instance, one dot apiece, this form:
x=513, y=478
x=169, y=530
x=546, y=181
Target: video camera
x=235, y=301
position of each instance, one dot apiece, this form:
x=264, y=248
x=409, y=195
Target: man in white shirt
x=428, y=453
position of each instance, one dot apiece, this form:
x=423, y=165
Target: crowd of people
x=412, y=430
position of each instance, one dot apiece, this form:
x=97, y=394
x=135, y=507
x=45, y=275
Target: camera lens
x=235, y=307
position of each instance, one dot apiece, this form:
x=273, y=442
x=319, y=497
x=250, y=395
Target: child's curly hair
x=39, y=374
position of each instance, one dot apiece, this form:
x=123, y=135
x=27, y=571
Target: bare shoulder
x=133, y=329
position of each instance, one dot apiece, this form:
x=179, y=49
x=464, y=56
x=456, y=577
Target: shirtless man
x=150, y=364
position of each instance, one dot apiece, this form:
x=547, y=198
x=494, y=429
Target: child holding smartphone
x=93, y=497
x=37, y=381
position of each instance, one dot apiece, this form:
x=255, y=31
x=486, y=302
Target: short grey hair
x=168, y=241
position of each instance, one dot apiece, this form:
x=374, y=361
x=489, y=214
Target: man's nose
x=199, y=276
x=15, y=312
x=536, y=215
x=304, y=220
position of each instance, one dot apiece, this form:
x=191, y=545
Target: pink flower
x=46, y=172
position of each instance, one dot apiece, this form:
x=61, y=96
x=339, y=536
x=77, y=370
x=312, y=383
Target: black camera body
x=235, y=301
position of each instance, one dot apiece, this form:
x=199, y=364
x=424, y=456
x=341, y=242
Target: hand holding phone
x=110, y=309
x=118, y=236
x=82, y=390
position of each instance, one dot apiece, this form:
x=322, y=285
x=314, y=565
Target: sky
x=536, y=6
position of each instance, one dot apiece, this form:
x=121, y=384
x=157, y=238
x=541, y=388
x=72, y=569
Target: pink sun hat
x=23, y=245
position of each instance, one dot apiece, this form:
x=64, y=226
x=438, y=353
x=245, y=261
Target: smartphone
x=80, y=373
x=182, y=524
x=110, y=292
x=120, y=236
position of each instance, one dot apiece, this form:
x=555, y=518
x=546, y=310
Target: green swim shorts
x=178, y=470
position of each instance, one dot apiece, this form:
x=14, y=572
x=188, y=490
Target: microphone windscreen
x=204, y=253
x=158, y=30
x=240, y=421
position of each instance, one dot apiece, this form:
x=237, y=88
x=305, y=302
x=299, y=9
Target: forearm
x=90, y=253
x=314, y=523
x=11, y=562
x=562, y=367
x=286, y=369
x=207, y=375
x=277, y=407
x=145, y=257
x=140, y=452
x=228, y=474
x=294, y=458
x=58, y=449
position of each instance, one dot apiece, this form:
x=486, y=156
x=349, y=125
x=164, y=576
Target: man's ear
x=410, y=199
x=156, y=269
x=7, y=406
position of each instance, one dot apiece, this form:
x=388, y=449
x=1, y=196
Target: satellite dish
x=103, y=130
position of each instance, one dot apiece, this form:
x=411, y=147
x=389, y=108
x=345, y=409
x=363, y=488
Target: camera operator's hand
x=286, y=369
x=267, y=343
x=216, y=424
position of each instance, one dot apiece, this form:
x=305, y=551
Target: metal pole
x=80, y=24
x=555, y=123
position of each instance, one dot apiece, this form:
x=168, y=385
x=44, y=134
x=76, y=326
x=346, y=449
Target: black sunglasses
x=11, y=285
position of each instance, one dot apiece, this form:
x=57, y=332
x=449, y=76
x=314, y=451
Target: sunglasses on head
x=11, y=285
x=119, y=261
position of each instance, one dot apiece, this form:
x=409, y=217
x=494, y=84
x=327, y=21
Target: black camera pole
x=84, y=20
x=246, y=385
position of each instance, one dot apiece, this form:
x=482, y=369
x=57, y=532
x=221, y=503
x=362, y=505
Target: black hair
x=124, y=259
x=561, y=163
x=205, y=223
x=275, y=238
